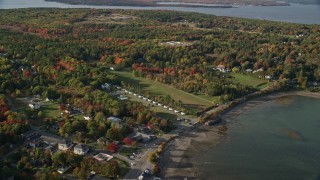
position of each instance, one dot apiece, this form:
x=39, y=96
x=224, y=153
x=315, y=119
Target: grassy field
x=250, y=81
x=51, y=109
x=127, y=151
x=157, y=88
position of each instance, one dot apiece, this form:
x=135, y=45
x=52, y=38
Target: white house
x=65, y=145
x=67, y=111
x=268, y=77
x=258, y=70
x=64, y=169
x=122, y=97
x=221, y=68
x=182, y=113
x=34, y=106
x=80, y=149
x=87, y=118
x=248, y=70
x=34, y=143
x=106, y=86
x=114, y=119
x=170, y=109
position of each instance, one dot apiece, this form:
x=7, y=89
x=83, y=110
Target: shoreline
x=175, y=160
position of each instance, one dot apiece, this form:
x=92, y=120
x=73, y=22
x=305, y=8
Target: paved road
x=142, y=163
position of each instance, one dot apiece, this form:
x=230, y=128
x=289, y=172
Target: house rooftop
x=50, y=140
x=80, y=146
x=65, y=141
x=114, y=119
x=51, y=149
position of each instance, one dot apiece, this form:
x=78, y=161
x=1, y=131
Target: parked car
x=148, y=171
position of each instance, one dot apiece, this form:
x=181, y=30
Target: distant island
x=107, y=93
x=184, y=3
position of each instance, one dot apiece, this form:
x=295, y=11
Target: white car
x=148, y=171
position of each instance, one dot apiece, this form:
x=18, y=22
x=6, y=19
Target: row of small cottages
x=153, y=102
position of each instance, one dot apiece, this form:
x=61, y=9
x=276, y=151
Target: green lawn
x=157, y=88
x=250, y=81
x=127, y=151
x=51, y=109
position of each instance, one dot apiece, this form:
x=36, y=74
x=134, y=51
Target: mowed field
x=157, y=88
x=250, y=81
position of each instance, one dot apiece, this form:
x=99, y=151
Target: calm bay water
x=296, y=13
x=276, y=140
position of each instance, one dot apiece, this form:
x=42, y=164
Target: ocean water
x=296, y=13
x=275, y=140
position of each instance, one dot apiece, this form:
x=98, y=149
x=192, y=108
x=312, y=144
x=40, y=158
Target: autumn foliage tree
x=112, y=147
x=127, y=141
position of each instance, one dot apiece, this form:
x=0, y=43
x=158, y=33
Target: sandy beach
x=175, y=160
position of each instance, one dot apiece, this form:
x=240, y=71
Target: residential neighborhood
x=107, y=93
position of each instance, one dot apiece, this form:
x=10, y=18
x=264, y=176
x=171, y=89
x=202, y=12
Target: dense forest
x=65, y=55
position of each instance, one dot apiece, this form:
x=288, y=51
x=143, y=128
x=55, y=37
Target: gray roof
x=50, y=140
x=114, y=119
x=65, y=141
x=81, y=146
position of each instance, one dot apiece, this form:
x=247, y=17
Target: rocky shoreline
x=175, y=160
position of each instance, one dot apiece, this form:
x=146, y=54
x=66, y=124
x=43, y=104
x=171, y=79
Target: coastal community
x=121, y=94
x=134, y=150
